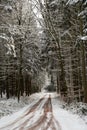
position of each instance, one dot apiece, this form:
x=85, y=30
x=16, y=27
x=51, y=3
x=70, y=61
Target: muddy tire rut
x=26, y=113
x=44, y=121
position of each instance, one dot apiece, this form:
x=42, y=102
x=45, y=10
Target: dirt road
x=45, y=112
x=37, y=117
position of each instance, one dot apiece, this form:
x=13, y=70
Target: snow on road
x=44, y=113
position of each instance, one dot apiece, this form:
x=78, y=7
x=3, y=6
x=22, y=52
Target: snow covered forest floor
x=9, y=106
x=61, y=111
x=78, y=108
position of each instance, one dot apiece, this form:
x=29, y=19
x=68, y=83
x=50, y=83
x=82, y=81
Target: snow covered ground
x=78, y=108
x=9, y=106
x=43, y=111
x=67, y=120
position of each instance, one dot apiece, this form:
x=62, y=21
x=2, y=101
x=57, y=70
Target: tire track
x=33, y=108
x=39, y=123
x=51, y=123
x=32, y=116
x=44, y=122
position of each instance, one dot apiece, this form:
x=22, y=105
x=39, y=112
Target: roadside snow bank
x=65, y=118
x=10, y=106
x=77, y=108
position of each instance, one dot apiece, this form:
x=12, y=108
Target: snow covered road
x=43, y=114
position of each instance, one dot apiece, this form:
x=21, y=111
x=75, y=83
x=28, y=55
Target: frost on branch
x=83, y=38
x=71, y=2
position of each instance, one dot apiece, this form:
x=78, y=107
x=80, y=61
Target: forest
x=43, y=64
x=39, y=37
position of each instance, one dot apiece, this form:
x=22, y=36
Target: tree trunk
x=20, y=85
x=84, y=84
